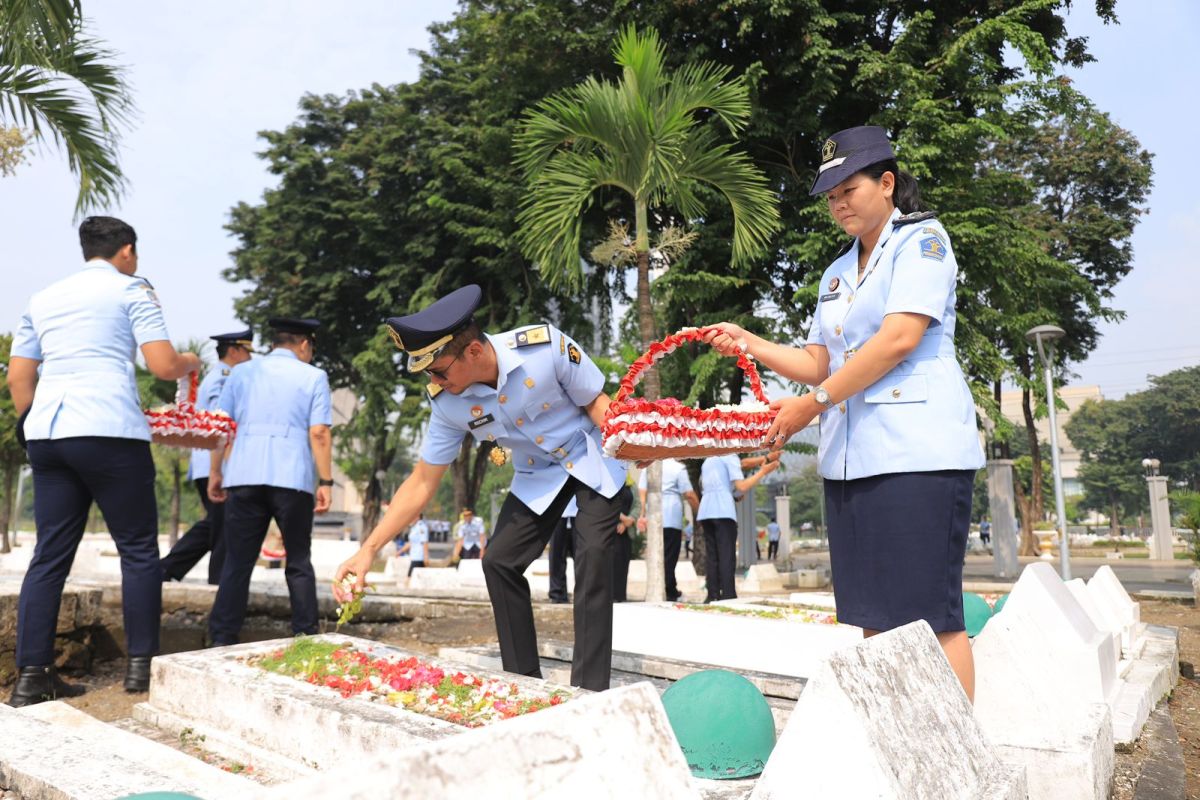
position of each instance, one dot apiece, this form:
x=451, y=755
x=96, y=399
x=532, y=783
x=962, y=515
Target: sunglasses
x=440, y=374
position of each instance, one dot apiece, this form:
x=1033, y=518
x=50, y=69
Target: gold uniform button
x=529, y=382
x=539, y=439
x=842, y=407
x=520, y=422
x=491, y=437
x=895, y=392
x=545, y=406
x=838, y=330
x=570, y=465
x=850, y=297
x=531, y=462
x=503, y=398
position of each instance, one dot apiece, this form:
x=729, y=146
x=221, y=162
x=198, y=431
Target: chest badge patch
x=932, y=247
x=573, y=353
x=477, y=411
x=833, y=284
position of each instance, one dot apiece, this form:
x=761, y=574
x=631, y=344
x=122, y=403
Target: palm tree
x=62, y=85
x=656, y=136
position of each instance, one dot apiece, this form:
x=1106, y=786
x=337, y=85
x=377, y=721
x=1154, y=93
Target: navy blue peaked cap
x=302, y=326
x=426, y=333
x=245, y=337
x=847, y=152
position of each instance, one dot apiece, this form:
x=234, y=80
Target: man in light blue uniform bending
x=282, y=407
x=531, y=391
x=207, y=535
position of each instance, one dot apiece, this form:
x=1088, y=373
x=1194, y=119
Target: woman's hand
x=794, y=415
x=726, y=338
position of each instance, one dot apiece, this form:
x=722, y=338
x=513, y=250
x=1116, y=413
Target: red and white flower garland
x=184, y=425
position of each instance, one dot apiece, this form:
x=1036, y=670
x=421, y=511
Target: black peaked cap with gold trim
x=847, y=152
x=423, y=335
x=245, y=338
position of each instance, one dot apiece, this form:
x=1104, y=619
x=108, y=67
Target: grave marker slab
x=1079, y=591
x=886, y=719
x=470, y=572
x=1121, y=612
x=762, y=578
x=616, y=744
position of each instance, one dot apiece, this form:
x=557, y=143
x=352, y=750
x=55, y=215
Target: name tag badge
x=487, y=419
x=830, y=296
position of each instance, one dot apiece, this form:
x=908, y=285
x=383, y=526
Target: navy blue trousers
x=720, y=541
x=68, y=475
x=248, y=514
x=207, y=535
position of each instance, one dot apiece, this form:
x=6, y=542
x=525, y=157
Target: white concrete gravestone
x=1044, y=679
x=685, y=576
x=1121, y=613
x=727, y=640
x=886, y=719
x=397, y=568
x=470, y=572
x=822, y=600
x=762, y=578
x=616, y=744
x=1080, y=592
x=433, y=578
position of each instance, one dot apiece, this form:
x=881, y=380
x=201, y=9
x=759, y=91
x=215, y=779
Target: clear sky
x=206, y=81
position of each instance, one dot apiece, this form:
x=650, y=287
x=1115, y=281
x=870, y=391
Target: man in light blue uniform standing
x=470, y=538
x=207, y=535
x=282, y=406
x=87, y=440
x=676, y=487
x=532, y=391
x=417, y=546
x=720, y=477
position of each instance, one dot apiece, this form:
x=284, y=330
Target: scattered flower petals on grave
x=790, y=614
x=458, y=697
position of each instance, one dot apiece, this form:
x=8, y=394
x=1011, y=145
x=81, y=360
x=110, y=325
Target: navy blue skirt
x=896, y=546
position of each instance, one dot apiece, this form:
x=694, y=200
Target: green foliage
x=12, y=150
x=63, y=85
x=12, y=455
x=806, y=492
x=1187, y=507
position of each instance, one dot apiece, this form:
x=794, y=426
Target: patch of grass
x=300, y=657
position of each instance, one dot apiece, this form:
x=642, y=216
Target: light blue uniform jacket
x=717, y=475
x=920, y=416
x=86, y=329
x=675, y=484
x=274, y=400
x=536, y=410
x=207, y=395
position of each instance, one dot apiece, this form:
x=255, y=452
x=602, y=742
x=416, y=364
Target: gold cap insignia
x=828, y=149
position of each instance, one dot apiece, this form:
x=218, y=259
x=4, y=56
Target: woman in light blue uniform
x=899, y=445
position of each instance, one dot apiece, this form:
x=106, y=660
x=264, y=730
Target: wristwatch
x=325, y=482
x=822, y=397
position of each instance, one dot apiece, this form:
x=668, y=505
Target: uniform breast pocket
x=487, y=429
x=544, y=401
x=898, y=389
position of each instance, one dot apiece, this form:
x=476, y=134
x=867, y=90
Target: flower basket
x=636, y=429
x=184, y=425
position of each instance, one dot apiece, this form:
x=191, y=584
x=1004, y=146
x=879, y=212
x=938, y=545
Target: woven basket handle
x=667, y=346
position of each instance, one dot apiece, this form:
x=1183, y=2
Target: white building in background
x=346, y=499
x=1069, y=456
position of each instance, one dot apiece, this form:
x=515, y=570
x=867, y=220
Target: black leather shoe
x=39, y=684
x=137, y=674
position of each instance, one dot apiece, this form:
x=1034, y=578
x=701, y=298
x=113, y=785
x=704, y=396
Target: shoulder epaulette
x=433, y=390
x=144, y=280
x=535, y=334
x=916, y=216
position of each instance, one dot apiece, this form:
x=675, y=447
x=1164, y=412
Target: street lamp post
x=1044, y=336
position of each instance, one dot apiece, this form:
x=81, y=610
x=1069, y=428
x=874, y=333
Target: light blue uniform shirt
x=274, y=400
x=471, y=532
x=675, y=484
x=86, y=329
x=919, y=417
x=207, y=395
x=418, y=537
x=536, y=411
x=717, y=475
x=772, y=531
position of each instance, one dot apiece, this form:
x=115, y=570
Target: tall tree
x=63, y=85
x=1111, y=474
x=646, y=136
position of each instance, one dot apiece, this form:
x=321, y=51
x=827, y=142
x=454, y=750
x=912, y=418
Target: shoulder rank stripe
x=433, y=390
x=916, y=216
x=539, y=334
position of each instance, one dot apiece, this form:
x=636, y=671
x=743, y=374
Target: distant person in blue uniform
x=417, y=546
x=532, y=392
x=207, y=535
x=676, y=487
x=470, y=537
x=899, y=443
x=721, y=478
x=72, y=381
x=282, y=407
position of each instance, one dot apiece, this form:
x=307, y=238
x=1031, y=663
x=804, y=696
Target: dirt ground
x=106, y=699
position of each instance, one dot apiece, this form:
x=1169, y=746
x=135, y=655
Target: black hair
x=907, y=194
x=287, y=339
x=103, y=237
x=471, y=332
x=223, y=348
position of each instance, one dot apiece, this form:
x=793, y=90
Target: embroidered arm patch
x=932, y=247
